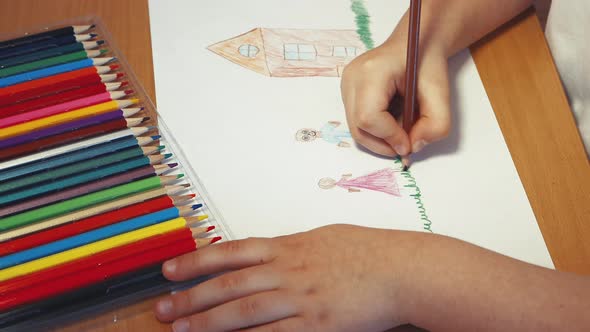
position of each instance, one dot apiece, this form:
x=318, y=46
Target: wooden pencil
x=79, y=203
x=58, y=98
x=91, y=211
x=67, y=138
x=412, y=59
x=53, y=61
x=87, y=224
x=90, y=249
x=44, y=54
x=57, y=83
x=19, y=50
x=53, y=70
x=44, y=35
x=53, y=120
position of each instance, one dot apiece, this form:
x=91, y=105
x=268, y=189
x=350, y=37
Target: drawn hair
x=327, y=183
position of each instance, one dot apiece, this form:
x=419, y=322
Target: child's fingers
x=219, y=290
x=434, y=123
x=258, y=309
x=372, y=143
x=225, y=256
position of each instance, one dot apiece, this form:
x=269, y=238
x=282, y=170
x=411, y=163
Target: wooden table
x=521, y=81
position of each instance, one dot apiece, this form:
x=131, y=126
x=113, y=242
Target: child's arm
x=371, y=80
x=348, y=279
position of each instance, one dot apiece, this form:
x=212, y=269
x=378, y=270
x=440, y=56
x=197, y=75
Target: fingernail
x=165, y=307
x=170, y=266
x=181, y=325
x=419, y=145
x=401, y=150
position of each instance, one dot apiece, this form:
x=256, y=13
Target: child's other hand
x=322, y=280
x=369, y=83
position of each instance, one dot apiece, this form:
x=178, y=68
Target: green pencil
x=56, y=60
x=81, y=202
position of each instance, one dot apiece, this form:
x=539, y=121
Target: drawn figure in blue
x=328, y=133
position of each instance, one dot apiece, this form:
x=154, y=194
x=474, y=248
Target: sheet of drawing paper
x=251, y=90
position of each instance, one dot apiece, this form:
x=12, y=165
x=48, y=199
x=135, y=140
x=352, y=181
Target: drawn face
x=327, y=183
x=306, y=135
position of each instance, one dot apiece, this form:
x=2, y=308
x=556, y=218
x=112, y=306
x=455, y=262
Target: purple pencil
x=79, y=191
x=62, y=128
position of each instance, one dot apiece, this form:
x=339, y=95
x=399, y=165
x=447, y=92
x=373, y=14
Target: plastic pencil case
x=123, y=296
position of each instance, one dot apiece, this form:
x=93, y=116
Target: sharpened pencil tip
x=167, y=155
x=92, y=26
x=172, y=165
x=147, y=118
x=161, y=147
x=202, y=217
x=103, y=51
x=119, y=75
x=156, y=137
x=210, y=228
x=93, y=35
x=185, y=185
x=215, y=239
x=196, y=206
x=179, y=176
x=405, y=169
x=124, y=83
x=128, y=92
x=100, y=42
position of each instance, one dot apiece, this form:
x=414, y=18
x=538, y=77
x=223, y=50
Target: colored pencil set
x=88, y=196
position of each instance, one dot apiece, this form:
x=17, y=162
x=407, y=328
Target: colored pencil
x=36, y=56
x=87, y=143
x=411, y=71
x=70, y=192
x=33, y=104
x=126, y=167
x=79, y=167
x=87, y=224
x=66, y=138
x=117, y=115
x=102, y=258
x=57, y=83
x=79, y=203
x=36, y=37
x=63, y=107
x=91, y=236
x=72, y=157
x=53, y=120
x=49, y=62
x=53, y=70
x=24, y=49
x=104, y=272
x=92, y=211
x=91, y=249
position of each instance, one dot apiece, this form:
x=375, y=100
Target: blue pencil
x=77, y=179
x=89, y=237
x=49, y=43
x=50, y=71
x=68, y=158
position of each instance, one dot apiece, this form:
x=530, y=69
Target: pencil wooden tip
x=128, y=92
x=114, y=67
x=185, y=185
x=119, y=75
x=93, y=35
x=124, y=83
x=193, y=195
x=405, y=169
x=100, y=42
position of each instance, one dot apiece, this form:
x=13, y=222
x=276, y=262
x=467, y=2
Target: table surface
x=521, y=81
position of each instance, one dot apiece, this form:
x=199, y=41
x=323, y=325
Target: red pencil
x=85, y=225
x=53, y=84
x=98, y=271
x=61, y=139
x=58, y=98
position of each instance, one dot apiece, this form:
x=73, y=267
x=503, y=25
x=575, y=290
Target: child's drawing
x=328, y=133
x=383, y=180
x=292, y=52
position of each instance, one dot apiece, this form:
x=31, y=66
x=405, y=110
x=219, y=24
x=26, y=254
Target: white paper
x=237, y=127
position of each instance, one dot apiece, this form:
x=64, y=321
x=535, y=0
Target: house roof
x=229, y=49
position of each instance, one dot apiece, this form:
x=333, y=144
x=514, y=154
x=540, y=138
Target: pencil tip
x=99, y=42
x=119, y=75
x=124, y=83
x=103, y=51
x=128, y=92
x=405, y=169
x=146, y=118
x=196, y=206
x=193, y=195
x=161, y=147
x=92, y=26
x=172, y=165
x=210, y=228
x=156, y=137
x=114, y=67
x=93, y=35
x=179, y=176
x=215, y=239
x=167, y=155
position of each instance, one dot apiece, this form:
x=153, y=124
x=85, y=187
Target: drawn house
x=292, y=52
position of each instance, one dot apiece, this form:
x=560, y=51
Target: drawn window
x=247, y=50
x=300, y=52
x=344, y=51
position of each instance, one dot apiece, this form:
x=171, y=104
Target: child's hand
x=335, y=278
x=369, y=83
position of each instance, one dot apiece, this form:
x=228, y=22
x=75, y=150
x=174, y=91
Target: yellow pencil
x=91, y=249
x=65, y=117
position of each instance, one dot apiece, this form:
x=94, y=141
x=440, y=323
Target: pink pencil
x=63, y=107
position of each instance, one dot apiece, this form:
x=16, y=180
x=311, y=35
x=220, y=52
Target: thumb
x=434, y=123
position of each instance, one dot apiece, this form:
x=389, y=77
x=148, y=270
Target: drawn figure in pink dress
x=383, y=180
